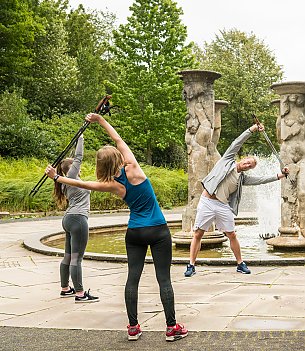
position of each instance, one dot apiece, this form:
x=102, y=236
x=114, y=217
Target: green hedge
x=18, y=177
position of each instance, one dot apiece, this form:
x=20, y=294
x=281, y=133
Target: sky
x=279, y=24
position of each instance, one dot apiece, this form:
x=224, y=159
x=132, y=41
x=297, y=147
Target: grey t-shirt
x=78, y=198
x=227, y=186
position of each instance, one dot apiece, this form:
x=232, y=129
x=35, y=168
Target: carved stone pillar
x=202, y=130
x=277, y=103
x=291, y=130
x=219, y=106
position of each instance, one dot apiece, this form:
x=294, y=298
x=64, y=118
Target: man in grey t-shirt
x=221, y=197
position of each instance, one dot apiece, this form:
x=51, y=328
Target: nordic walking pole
x=102, y=108
x=273, y=149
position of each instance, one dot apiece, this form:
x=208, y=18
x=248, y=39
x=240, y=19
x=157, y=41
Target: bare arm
x=89, y=185
x=114, y=135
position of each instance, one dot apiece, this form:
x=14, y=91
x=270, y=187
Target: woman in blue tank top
x=118, y=172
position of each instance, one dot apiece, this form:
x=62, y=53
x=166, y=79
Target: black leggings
x=160, y=241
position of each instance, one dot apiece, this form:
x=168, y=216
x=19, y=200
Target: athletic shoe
x=242, y=268
x=134, y=332
x=190, y=270
x=86, y=298
x=176, y=332
x=68, y=293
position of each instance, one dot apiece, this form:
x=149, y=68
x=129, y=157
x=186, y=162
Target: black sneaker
x=190, y=270
x=242, y=268
x=86, y=298
x=68, y=293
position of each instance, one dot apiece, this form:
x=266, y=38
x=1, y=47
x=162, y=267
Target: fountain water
x=268, y=197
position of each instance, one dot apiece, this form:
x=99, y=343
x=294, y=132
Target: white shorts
x=209, y=211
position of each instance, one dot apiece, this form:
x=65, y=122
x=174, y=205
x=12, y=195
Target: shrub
x=18, y=177
x=174, y=157
x=18, y=135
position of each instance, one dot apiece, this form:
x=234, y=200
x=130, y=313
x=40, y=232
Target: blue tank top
x=141, y=200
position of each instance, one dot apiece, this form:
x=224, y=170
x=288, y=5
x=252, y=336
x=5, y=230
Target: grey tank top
x=79, y=199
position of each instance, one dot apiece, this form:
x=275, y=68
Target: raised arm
x=79, y=153
x=114, y=135
x=239, y=141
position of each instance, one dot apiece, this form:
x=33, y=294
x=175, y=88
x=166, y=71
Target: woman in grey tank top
x=75, y=224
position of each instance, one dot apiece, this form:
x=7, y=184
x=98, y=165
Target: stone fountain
x=203, y=126
x=291, y=133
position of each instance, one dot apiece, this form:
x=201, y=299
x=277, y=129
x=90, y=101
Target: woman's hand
x=50, y=172
x=93, y=117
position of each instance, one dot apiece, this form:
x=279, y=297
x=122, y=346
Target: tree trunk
x=149, y=155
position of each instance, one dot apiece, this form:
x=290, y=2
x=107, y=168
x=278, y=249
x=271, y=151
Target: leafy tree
x=89, y=36
x=18, y=25
x=54, y=73
x=248, y=69
x=149, y=51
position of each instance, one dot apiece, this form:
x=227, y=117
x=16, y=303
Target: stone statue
x=201, y=139
x=291, y=131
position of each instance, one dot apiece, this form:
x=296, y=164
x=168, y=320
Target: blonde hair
x=109, y=161
x=62, y=169
x=253, y=158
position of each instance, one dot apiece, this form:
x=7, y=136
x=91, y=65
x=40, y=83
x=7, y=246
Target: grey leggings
x=77, y=233
x=160, y=241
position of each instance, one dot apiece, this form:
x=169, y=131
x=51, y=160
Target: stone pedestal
x=210, y=238
x=291, y=132
x=203, y=123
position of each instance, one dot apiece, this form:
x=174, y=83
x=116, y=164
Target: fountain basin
x=41, y=244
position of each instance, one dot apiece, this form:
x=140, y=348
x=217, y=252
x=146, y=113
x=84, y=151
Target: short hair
x=253, y=158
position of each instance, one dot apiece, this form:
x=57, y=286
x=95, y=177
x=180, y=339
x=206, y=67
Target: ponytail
x=58, y=194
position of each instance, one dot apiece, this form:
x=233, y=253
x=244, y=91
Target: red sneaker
x=134, y=332
x=176, y=332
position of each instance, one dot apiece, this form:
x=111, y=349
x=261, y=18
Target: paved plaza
x=223, y=310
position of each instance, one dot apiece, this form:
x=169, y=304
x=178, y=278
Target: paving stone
x=216, y=304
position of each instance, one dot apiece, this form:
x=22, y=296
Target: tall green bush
x=18, y=135
x=18, y=177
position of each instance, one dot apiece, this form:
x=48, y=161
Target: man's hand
x=257, y=128
x=284, y=174
x=285, y=171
